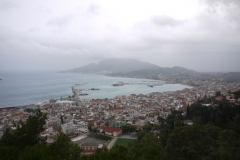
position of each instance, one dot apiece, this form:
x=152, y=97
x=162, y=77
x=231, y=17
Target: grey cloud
x=226, y=2
x=94, y=9
x=233, y=17
x=59, y=21
x=166, y=21
x=42, y=9
x=207, y=39
x=7, y=5
x=80, y=37
x=33, y=29
x=228, y=23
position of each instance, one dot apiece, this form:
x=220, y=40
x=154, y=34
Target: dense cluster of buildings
x=74, y=116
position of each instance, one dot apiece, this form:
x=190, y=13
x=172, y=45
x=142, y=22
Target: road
x=110, y=145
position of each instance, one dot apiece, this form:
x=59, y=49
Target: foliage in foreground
x=25, y=142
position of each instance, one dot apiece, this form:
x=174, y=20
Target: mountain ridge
x=137, y=69
x=130, y=68
x=114, y=66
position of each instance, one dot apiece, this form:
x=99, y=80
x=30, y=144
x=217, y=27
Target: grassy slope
x=123, y=142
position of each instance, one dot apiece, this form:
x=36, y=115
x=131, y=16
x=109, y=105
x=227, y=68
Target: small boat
x=118, y=84
x=83, y=94
x=150, y=85
x=94, y=89
x=80, y=84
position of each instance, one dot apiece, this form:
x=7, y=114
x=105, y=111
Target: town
x=84, y=120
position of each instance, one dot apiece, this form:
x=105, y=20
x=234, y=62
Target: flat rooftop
x=79, y=138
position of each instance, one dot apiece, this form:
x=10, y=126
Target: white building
x=81, y=131
x=69, y=128
x=54, y=121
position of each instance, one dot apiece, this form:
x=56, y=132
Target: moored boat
x=150, y=85
x=83, y=94
x=95, y=89
x=118, y=84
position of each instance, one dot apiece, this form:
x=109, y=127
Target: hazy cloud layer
x=59, y=21
x=4, y=5
x=203, y=35
x=167, y=21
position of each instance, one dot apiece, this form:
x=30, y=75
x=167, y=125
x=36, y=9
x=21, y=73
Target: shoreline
x=35, y=104
x=165, y=82
x=66, y=96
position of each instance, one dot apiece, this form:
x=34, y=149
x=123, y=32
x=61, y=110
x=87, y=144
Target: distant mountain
x=130, y=68
x=231, y=76
x=114, y=66
x=153, y=73
x=182, y=70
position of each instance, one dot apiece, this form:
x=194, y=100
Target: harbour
x=25, y=88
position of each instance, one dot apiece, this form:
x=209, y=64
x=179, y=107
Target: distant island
x=136, y=69
x=128, y=68
x=113, y=66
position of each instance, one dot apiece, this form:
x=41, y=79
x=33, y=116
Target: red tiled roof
x=219, y=98
x=8, y=108
x=110, y=129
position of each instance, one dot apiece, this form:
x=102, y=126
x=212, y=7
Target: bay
x=26, y=87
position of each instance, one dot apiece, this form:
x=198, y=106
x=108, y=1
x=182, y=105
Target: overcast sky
x=203, y=35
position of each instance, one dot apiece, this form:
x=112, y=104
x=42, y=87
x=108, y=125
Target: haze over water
x=22, y=88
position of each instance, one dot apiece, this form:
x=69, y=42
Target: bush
x=102, y=137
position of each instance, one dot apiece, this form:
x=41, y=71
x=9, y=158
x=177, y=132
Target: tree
x=205, y=97
x=228, y=146
x=128, y=128
x=218, y=93
x=90, y=127
x=25, y=142
x=188, y=142
x=116, y=153
x=13, y=142
x=107, y=124
x=26, y=133
x=188, y=112
x=37, y=152
x=229, y=91
x=61, y=119
x=148, y=147
x=63, y=148
x=141, y=134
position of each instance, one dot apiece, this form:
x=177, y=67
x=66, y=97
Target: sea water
x=22, y=88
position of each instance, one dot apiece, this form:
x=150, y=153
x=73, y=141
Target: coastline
x=66, y=98
x=149, y=90
x=165, y=82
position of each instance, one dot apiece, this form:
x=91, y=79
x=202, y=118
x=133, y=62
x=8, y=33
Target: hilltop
x=114, y=66
x=154, y=73
x=137, y=69
x=128, y=67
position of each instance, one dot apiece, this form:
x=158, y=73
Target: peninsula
x=137, y=69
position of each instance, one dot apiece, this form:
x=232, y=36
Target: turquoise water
x=22, y=88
